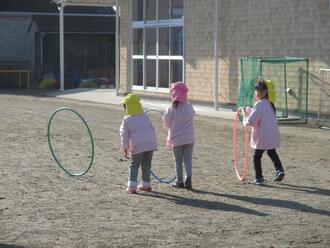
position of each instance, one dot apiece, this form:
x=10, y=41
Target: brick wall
x=198, y=47
x=298, y=28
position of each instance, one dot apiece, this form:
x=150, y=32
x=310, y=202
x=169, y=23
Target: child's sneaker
x=187, y=183
x=258, y=181
x=131, y=190
x=279, y=176
x=144, y=188
x=178, y=185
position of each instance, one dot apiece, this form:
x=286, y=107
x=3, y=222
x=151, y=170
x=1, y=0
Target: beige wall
x=273, y=28
x=297, y=28
x=198, y=47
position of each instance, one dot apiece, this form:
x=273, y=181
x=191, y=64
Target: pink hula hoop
x=246, y=162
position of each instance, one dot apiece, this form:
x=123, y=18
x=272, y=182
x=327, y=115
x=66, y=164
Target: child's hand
x=126, y=153
x=243, y=111
x=248, y=110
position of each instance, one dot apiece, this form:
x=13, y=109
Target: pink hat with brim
x=179, y=92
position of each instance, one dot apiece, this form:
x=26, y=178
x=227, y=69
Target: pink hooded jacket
x=179, y=92
x=136, y=131
x=265, y=132
x=179, y=121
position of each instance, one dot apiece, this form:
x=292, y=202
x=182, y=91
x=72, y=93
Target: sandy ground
x=41, y=206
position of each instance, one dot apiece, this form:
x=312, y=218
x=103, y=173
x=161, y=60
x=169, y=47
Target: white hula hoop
x=246, y=162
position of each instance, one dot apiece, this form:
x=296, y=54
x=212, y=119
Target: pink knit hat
x=179, y=92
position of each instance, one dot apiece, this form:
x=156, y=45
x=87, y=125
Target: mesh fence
x=289, y=76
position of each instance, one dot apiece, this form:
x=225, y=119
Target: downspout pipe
x=129, y=50
x=61, y=8
x=117, y=48
x=216, y=64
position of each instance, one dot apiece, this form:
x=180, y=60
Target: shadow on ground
x=199, y=203
x=274, y=202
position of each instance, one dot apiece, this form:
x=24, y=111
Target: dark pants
x=257, y=160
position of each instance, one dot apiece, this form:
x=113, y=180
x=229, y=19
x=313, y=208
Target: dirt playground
x=41, y=206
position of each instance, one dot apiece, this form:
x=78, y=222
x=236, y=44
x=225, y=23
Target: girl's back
x=265, y=131
x=141, y=133
x=179, y=121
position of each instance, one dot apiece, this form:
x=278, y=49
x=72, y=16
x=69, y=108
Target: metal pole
x=306, y=110
x=117, y=48
x=129, y=50
x=216, y=74
x=285, y=92
x=61, y=46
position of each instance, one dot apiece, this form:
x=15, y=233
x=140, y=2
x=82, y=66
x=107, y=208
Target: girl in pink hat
x=178, y=119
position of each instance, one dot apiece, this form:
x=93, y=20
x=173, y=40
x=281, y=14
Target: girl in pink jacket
x=265, y=135
x=138, y=138
x=178, y=119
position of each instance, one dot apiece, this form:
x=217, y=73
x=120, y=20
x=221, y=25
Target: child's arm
x=124, y=139
x=250, y=119
x=246, y=111
x=166, y=119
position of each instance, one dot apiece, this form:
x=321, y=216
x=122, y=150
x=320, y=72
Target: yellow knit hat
x=271, y=91
x=133, y=105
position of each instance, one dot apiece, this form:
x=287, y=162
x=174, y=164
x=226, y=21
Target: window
x=163, y=74
x=138, y=72
x=176, y=68
x=176, y=9
x=164, y=37
x=158, y=40
x=151, y=72
x=150, y=8
x=177, y=41
x=137, y=10
x=138, y=41
x=163, y=9
x=151, y=39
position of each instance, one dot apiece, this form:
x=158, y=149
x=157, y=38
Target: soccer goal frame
x=290, y=77
x=323, y=113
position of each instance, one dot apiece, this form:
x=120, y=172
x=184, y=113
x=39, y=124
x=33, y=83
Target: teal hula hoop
x=51, y=147
x=161, y=180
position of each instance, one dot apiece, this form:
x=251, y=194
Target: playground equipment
x=289, y=76
x=49, y=135
x=323, y=113
x=246, y=139
x=159, y=179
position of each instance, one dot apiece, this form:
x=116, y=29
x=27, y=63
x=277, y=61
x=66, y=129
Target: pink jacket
x=179, y=122
x=137, y=134
x=265, y=132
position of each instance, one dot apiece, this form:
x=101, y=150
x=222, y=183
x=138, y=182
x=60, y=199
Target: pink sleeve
x=255, y=115
x=124, y=139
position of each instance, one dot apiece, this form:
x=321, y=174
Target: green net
x=288, y=75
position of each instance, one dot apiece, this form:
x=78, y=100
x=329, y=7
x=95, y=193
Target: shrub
x=88, y=84
x=47, y=84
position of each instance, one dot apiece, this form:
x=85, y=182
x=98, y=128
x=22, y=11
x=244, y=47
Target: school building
x=201, y=42
x=29, y=44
